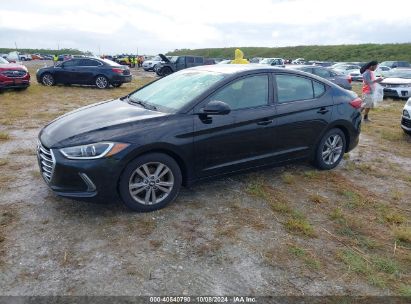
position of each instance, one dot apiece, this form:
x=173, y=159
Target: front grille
x=406, y=122
x=46, y=161
x=386, y=85
x=14, y=73
x=389, y=92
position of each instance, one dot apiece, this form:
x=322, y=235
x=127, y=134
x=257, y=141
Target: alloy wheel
x=48, y=80
x=151, y=183
x=101, y=82
x=332, y=149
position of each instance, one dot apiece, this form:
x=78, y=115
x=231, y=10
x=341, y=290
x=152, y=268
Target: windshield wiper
x=142, y=103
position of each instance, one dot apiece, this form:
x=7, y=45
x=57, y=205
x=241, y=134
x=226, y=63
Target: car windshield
x=173, y=92
x=110, y=62
x=173, y=59
x=3, y=61
x=400, y=74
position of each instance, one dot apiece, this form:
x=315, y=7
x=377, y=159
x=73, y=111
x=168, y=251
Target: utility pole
x=15, y=45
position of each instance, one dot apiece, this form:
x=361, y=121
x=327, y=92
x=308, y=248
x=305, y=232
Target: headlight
x=405, y=113
x=93, y=151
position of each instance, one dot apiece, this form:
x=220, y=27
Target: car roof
x=235, y=68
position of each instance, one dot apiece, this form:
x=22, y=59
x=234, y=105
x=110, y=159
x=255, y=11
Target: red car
x=13, y=75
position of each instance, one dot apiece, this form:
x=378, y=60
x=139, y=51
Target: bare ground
x=284, y=231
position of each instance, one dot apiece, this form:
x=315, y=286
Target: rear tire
x=150, y=182
x=330, y=150
x=102, y=82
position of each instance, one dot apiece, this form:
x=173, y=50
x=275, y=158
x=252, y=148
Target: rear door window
x=198, y=60
x=293, y=88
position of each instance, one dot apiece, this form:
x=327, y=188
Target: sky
x=158, y=26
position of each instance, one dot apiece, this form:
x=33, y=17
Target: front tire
x=48, y=80
x=102, y=82
x=407, y=132
x=330, y=150
x=150, y=182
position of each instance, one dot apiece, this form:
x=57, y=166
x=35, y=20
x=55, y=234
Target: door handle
x=264, y=122
x=323, y=111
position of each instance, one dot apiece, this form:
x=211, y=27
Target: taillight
x=118, y=71
x=349, y=79
x=356, y=103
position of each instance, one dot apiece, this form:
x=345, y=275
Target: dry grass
x=4, y=136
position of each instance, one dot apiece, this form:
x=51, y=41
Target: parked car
x=347, y=68
x=13, y=76
x=334, y=76
x=196, y=124
x=36, y=57
x=396, y=64
x=298, y=61
x=406, y=117
x=397, y=83
x=177, y=63
x=228, y=61
x=381, y=71
x=64, y=57
x=88, y=71
x=273, y=61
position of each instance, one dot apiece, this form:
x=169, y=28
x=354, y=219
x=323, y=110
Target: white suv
x=406, y=117
x=149, y=65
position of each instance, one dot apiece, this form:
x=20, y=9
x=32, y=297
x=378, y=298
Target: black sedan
x=330, y=74
x=85, y=71
x=196, y=124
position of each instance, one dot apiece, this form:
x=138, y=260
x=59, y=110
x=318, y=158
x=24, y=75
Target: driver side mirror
x=216, y=107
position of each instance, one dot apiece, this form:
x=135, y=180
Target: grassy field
x=308, y=231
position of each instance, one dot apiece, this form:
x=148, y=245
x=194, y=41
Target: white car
x=406, y=117
x=149, y=65
x=273, y=61
x=298, y=61
x=397, y=84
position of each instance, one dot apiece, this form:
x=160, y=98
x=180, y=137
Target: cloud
x=159, y=26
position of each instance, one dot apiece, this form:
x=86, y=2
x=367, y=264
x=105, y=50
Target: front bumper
x=14, y=84
x=91, y=180
x=397, y=92
x=406, y=123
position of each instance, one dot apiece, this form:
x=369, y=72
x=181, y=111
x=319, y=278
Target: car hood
x=164, y=58
x=394, y=80
x=81, y=125
x=12, y=66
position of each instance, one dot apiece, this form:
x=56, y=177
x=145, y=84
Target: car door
x=241, y=138
x=181, y=63
x=304, y=106
x=67, y=73
x=88, y=70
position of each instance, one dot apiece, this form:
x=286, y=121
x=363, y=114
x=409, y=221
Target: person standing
x=55, y=59
x=368, y=87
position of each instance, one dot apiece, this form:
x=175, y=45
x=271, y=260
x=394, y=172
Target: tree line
x=358, y=52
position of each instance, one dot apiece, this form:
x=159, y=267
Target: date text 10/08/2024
x=205, y=299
